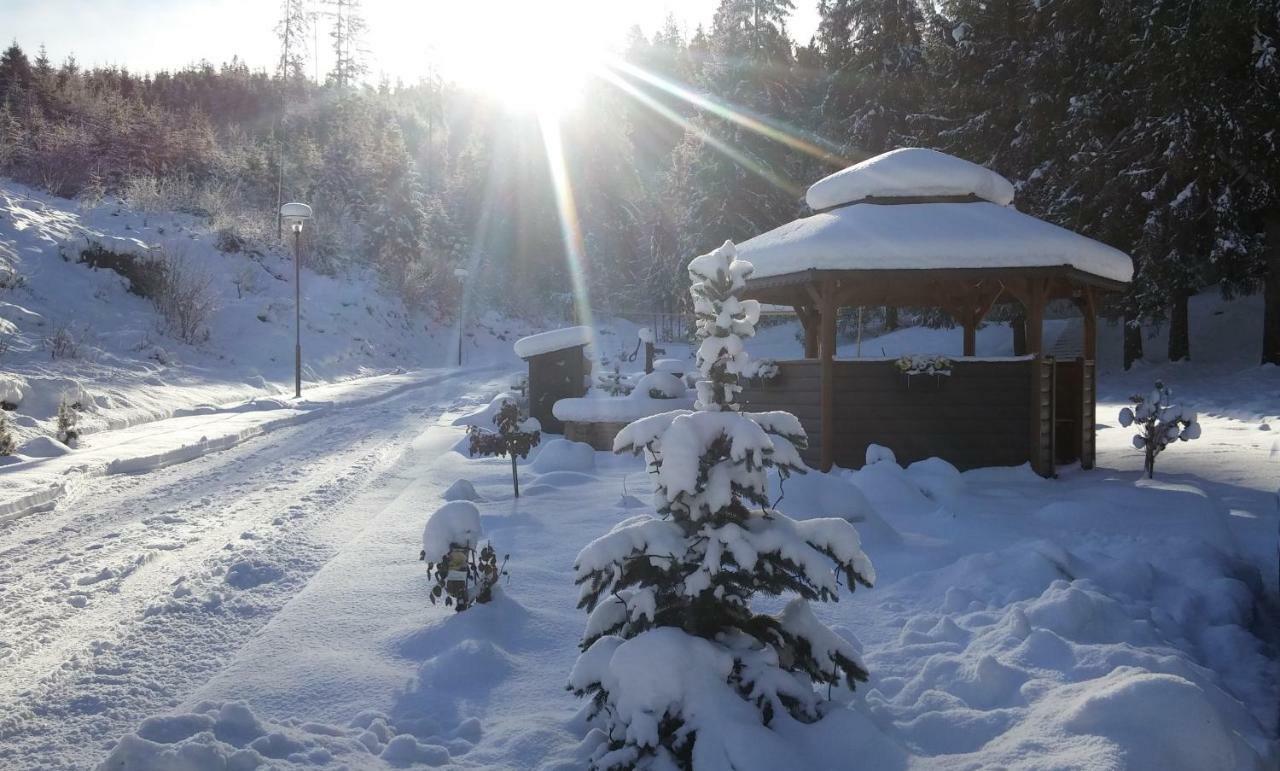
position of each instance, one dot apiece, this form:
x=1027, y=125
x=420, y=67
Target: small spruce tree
x=672, y=593
x=516, y=435
x=8, y=445
x=67, y=420
x=1160, y=422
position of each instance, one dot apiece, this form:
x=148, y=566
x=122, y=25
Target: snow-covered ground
x=237, y=584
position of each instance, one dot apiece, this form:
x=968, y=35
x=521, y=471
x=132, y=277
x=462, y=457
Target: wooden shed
x=558, y=369
x=915, y=227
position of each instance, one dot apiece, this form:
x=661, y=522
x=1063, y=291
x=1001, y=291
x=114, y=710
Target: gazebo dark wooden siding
x=555, y=375
x=987, y=412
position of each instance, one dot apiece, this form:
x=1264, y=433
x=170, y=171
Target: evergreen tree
x=873, y=55
x=8, y=445
x=347, y=39
x=670, y=596
x=292, y=30
x=397, y=224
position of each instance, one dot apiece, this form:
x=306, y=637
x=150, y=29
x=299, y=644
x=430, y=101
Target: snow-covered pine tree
x=681, y=670
x=8, y=445
x=1161, y=422
x=67, y=433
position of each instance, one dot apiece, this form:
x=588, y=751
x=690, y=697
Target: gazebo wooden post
x=970, y=335
x=1089, y=310
x=1035, y=301
x=827, y=368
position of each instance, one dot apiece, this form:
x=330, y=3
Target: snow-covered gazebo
x=916, y=227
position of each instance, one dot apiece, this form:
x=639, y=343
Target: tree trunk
x=890, y=318
x=1179, y=329
x=1132, y=340
x=1271, y=292
x=515, y=478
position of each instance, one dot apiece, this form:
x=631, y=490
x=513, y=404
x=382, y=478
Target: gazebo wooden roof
x=915, y=227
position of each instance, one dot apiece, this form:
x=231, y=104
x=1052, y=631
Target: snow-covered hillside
x=123, y=367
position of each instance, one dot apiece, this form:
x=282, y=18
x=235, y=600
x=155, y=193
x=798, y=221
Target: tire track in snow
x=134, y=590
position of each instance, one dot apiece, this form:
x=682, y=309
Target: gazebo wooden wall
x=991, y=413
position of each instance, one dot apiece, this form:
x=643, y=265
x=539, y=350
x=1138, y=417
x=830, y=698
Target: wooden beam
x=827, y=398
x=809, y=322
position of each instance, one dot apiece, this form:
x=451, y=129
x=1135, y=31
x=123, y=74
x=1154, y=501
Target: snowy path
x=136, y=588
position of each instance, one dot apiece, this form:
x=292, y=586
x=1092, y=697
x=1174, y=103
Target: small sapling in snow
x=516, y=435
x=1160, y=423
x=67, y=420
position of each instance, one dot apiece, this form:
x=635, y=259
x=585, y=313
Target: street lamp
x=294, y=216
x=460, y=274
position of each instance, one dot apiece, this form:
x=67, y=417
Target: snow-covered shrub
x=1160, y=423
x=516, y=435
x=7, y=441
x=463, y=576
x=661, y=385
x=63, y=342
x=185, y=298
x=67, y=432
x=675, y=660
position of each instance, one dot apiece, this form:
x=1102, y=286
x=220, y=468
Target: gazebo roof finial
x=909, y=172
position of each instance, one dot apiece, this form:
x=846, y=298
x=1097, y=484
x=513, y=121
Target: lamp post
x=461, y=274
x=294, y=216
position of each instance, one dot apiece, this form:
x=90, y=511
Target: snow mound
x=667, y=386
x=936, y=478
x=909, y=171
x=1161, y=720
x=877, y=453
x=462, y=490
x=817, y=495
x=555, y=340
x=564, y=455
x=12, y=388
x=43, y=447
x=456, y=522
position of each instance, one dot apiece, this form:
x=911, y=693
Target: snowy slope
x=128, y=370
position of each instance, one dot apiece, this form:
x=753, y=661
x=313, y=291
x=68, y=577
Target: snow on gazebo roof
x=931, y=235
x=909, y=172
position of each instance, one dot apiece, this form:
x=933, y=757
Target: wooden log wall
x=986, y=413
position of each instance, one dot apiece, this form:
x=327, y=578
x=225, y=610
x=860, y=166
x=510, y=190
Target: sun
x=536, y=61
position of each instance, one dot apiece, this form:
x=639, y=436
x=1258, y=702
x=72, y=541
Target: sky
x=405, y=36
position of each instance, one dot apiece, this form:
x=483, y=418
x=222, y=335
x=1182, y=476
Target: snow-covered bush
x=67, y=420
x=463, y=576
x=1160, y=423
x=7, y=442
x=185, y=298
x=675, y=659
x=661, y=385
x=516, y=435
x=63, y=342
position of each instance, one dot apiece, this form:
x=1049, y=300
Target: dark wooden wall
x=986, y=413
x=554, y=376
